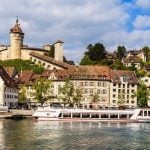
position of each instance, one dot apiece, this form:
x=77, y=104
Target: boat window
x=148, y=113
x=145, y=113
x=141, y=113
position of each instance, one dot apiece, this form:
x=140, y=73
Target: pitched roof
x=16, y=28
x=11, y=71
x=7, y=80
x=129, y=76
x=26, y=77
x=82, y=72
x=132, y=59
x=51, y=60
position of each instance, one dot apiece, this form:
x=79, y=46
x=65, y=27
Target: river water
x=45, y=135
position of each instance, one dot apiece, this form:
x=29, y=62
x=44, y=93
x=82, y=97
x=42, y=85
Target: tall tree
x=142, y=95
x=146, y=51
x=42, y=90
x=22, y=95
x=77, y=96
x=121, y=51
x=67, y=91
x=96, y=52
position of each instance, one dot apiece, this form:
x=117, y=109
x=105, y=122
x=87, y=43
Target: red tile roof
x=129, y=75
x=82, y=72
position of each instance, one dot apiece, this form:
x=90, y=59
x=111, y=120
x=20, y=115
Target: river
x=46, y=135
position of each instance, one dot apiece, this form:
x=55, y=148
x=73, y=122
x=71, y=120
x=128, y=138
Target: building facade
x=8, y=90
x=113, y=87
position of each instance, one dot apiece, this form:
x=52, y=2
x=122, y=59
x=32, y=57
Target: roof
x=51, y=60
x=59, y=41
x=11, y=71
x=16, y=28
x=7, y=80
x=132, y=59
x=129, y=76
x=82, y=72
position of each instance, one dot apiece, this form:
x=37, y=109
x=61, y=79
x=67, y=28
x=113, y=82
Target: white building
x=8, y=90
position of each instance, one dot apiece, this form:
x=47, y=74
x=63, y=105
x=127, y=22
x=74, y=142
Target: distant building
x=132, y=61
x=137, y=53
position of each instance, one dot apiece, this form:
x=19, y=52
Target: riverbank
x=16, y=114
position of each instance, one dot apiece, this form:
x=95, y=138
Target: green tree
x=42, y=90
x=94, y=100
x=67, y=92
x=146, y=51
x=96, y=52
x=77, y=96
x=121, y=98
x=86, y=60
x=142, y=95
x=118, y=65
x=121, y=52
x=22, y=94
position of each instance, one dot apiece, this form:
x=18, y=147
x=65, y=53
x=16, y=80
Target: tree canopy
x=42, y=90
x=142, y=95
x=96, y=52
x=121, y=52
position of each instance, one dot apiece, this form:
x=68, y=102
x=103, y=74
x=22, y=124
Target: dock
x=16, y=114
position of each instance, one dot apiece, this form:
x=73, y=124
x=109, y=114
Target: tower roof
x=59, y=41
x=16, y=28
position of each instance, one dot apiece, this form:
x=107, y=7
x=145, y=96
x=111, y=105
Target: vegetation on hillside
x=22, y=65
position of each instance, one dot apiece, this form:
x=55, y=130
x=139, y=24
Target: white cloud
x=143, y=3
x=142, y=22
x=77, y=23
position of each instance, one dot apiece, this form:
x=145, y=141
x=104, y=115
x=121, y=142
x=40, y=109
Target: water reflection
x=1, y=135
x=26, y=134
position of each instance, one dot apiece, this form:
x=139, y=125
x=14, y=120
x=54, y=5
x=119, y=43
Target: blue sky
x=78, y=23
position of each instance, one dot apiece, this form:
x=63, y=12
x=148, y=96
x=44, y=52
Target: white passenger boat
x=65, y=114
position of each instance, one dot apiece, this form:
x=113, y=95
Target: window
x=85, y=91
x=104, y=91
x=99, y=84
x=128, y=91
x=114, y=90
x=132, y=85
x=123, y=85
x=91, y=91
x=81, y=83
x=104, y=84
x=132, y=91
x=114, y=95
x=91, y=83
x=98, y=91
x=114, y=101
x=119, y=86
x=86, y=83
x=114, y=84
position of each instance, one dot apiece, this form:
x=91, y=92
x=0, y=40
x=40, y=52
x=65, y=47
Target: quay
x=16, y=114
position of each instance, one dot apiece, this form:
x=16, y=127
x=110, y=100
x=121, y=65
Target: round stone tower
x=16, y=41
x=59, y=50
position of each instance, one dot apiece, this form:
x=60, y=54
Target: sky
x=78, y=23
